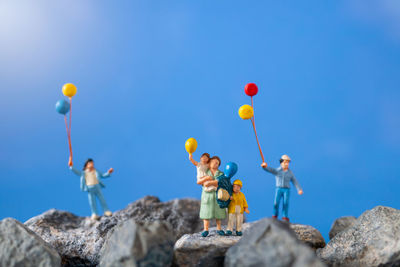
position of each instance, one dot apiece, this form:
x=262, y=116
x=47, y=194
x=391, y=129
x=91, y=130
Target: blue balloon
x=62, y=106
x=230, y=169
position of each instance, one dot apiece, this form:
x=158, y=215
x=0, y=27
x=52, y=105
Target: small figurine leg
x=286, y=195
x=219, y=230
x=92, y=203
x=103, y=202
x=231, y=221
x=239, y=223
x=277, y=201
x=206, y=224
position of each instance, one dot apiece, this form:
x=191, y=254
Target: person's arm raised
x=269, y=169
x=195, y=163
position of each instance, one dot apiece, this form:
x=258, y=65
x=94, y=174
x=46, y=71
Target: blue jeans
x=93, y=192
x=279, y=193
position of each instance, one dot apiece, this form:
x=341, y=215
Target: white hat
x=285, y=157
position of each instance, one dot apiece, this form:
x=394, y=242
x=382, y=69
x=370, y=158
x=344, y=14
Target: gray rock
x=79, y=239
x=139, y=244
x=373, y=240
x=309, y=235
x=19, y=246
x=270, y=242
x=195, y=250
x=341, y=224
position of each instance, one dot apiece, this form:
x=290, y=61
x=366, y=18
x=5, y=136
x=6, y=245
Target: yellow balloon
x=246, y=112
x=191, y=145
x=69, y=89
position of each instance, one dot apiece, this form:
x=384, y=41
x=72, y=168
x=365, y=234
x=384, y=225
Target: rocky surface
x=145, y=233
x=341, y=224
x=19, y=246
x=138, y=244
x=308, y=235
x=79, y=239
x=373, y=240
x=195, y=250
x=270, y=242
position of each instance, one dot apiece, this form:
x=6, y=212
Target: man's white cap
x=285, y=157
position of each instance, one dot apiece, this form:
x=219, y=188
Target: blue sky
x=151, y=74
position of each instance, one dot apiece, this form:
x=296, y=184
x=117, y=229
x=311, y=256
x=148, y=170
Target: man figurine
x=283, y=176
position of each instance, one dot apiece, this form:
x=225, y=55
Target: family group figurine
x=216, y=193
x=216, y=196
x=91, y=183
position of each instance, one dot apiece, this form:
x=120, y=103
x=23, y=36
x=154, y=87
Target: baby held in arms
x=202, y=168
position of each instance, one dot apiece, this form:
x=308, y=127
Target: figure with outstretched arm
x=91, y=183
x=209, y=208
x=283, y=176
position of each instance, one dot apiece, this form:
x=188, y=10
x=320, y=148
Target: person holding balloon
x=209, y=208
x=90, y=177
x=282, y=174
x=91, y=183
x=283, y=177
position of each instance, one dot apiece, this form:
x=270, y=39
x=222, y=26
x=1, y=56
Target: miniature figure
x=283, y=177
x=209, y=208
x=202, y=168
x=91, y=183
x=237, y=206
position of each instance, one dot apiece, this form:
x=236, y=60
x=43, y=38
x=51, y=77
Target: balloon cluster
x=63, y=107
x=246, y=112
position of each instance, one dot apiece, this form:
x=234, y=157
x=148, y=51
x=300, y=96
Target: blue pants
x=93, y=192
x=279, y=193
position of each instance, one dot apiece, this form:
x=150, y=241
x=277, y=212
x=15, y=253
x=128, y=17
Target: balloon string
x=69, y=129
x=69, y=137
x=254, y=127
x=70, y=115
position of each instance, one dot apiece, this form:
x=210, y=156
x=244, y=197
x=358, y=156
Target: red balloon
x=251, y=89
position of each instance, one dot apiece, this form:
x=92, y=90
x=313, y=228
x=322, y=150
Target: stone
x=79, y=239
x=196, y=250
x=19, y=246
x=309, y=235
x=341, y=224
x=139, y=244
x=270, y=242
x=373, y=240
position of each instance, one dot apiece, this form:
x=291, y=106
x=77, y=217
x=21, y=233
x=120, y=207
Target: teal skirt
x=209, y=208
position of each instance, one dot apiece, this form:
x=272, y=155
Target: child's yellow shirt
x=238, y=200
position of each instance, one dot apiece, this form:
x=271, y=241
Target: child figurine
x=283, y=176
x=202, y=168
x=91, y=183
x=236, y=208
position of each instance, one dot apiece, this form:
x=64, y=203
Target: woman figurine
x=90, y=182
x=209, y=208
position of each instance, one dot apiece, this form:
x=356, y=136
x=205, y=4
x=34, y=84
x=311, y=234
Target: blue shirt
x=283, y=178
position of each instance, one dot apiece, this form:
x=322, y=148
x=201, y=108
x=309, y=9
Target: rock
x=139, y=244
x=309, y=235
x=270, y=242
x=195, y=250
x=373, y=240
x=19, y=246
x=341, y=224
x=79, y=239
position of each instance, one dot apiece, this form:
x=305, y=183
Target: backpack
x=225, y=187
